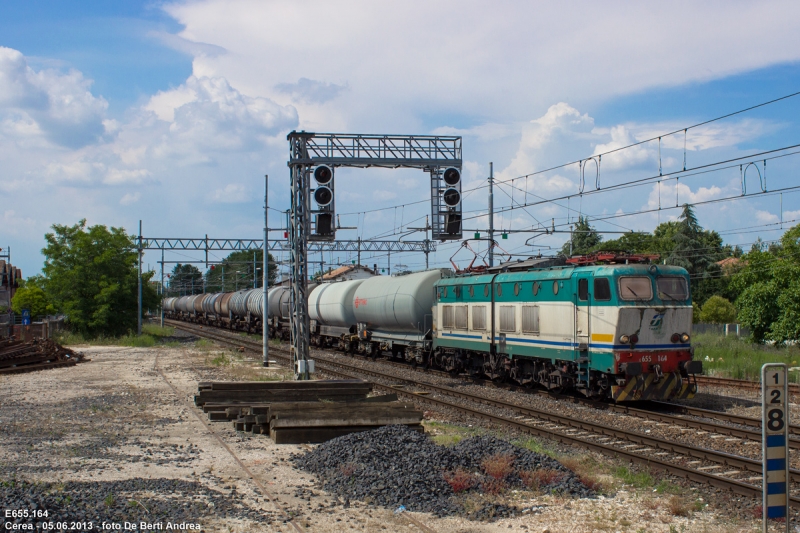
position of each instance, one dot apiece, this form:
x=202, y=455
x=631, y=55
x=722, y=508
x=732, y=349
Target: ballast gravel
x=396, y=467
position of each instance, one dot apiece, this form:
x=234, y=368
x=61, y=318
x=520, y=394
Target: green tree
x=718, y=310
x=584, y=238
x=185, y=279
x=238, y=271
x=769, y=288
x=635, y=242
x=31, y=296
x=90, y=274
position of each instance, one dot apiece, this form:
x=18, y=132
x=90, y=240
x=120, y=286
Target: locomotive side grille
x=508, y=318
x=530, y=319
x=461, y=317
x=447, y=317
x=479, y=318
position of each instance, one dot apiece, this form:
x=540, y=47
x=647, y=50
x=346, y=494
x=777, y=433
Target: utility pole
x=255, y=275
x=265, y=279
x=162, y=287
x=491, y=214
x=139, y=326
x=427, y=241
x=359, y=252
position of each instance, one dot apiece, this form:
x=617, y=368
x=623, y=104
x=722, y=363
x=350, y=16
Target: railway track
x=744, y=384
x=698, y=463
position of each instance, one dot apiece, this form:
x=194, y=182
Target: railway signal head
x=323, y=212
x=323, y=174
x=451, y=176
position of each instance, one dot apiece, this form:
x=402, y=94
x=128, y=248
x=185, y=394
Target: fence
x=46, y=326
x=721, y=329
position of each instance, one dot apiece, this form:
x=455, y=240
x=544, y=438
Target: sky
x=173, y=112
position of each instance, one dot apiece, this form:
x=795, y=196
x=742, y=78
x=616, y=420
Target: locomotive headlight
x=685, y=337
x=624, y=339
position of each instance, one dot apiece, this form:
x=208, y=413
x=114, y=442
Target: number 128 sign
x=775, y=435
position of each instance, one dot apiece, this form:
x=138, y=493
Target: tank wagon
x=239, y=310
x=369, y=316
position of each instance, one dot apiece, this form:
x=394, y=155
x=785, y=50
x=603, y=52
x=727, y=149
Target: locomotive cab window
x=583, y=289
x=602, y=289
x=635, y=288
x=671, y=288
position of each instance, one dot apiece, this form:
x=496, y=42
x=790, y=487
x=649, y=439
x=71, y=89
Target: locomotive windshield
x=635, y=288
x=671, y=288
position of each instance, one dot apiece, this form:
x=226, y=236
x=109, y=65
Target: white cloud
x=765, y=217
x=116, y=176
x=630, y=157
x=60, y=104
x=311, y=91
x=231, y=194
x=130, y=198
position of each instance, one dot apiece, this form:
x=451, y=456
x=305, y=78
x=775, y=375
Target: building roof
x=729, y=263
x=335, y=273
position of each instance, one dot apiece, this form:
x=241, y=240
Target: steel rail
x=525, y=426
x=746, y=384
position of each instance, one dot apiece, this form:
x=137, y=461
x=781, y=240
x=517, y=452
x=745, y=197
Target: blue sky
x=173, y=112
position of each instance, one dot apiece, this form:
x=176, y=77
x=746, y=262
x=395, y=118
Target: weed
x=534, y=445
x=493, y=486
x=109, y=501
x=460, y=480
x=220, y=360
x=541, y=478
x=157, y=331
x=678, y=506
x=498, y=466
x=590, y=482
x=665, y=487
x=650, y=503
x=636, y=479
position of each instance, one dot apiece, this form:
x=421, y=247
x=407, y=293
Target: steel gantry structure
x=432, y=154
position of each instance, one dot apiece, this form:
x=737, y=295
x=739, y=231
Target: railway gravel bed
x=700, y=467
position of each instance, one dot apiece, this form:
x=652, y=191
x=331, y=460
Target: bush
x=718, y=310
x=460, y=480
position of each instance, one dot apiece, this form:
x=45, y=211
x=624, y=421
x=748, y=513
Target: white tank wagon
x=278, y=301
x=168, y=304
x=395, y=313
x=330, y=308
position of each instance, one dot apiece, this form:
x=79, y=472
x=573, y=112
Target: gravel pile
x=394, y=466
x=131, y=500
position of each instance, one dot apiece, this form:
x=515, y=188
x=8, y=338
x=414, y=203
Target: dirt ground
x=116, y=430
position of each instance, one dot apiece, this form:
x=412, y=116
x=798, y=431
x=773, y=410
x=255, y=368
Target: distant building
x=9, y=281
x=729, y=265
x=348, y=272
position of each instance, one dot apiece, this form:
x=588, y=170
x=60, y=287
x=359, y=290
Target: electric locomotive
x=620, y=331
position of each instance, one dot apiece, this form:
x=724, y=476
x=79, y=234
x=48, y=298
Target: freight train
x=604, y=327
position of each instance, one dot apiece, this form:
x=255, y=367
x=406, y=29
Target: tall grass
x=151, y=335
x=733, y=357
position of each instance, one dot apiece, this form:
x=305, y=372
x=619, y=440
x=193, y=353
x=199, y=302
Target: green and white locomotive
x=607, y=329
